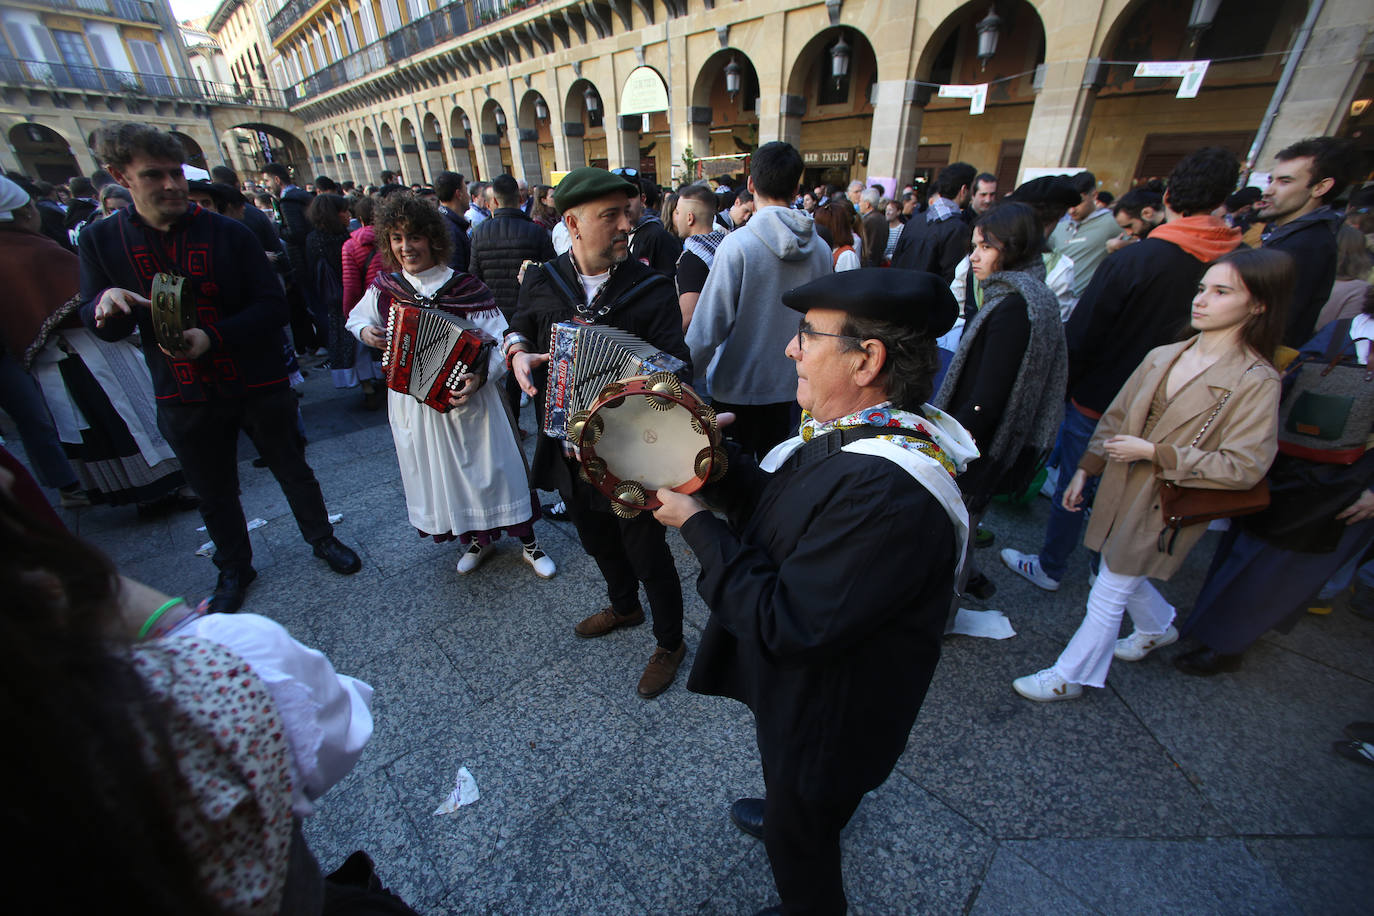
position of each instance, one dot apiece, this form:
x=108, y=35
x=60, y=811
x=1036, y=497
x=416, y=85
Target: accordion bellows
x=428, y=351
x=584, y=359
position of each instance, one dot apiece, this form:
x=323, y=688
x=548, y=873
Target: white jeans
x=1088, y=655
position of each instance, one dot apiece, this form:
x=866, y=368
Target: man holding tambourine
x=595, y=283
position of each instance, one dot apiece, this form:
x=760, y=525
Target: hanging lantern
x=1201, y=18
x=732, y=77
x=839, y=60
x=500, y=121
x=593, y=101
x=467, y=125
x=541, y=111
x=989, y=28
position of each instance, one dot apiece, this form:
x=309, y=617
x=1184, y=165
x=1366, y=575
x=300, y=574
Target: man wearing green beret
x=596, y=282
x=826, y=612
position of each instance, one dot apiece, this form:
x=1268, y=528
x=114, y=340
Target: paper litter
x=464, y=793
x=252, y=525
x=986, y=624
x=208, y=548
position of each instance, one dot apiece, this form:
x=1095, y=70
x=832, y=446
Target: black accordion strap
x=561, y=284
x=823, y=447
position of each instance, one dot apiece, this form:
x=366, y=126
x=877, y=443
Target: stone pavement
x=1160, y=793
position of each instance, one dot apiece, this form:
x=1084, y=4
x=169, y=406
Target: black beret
x=589, y=183
x=909, y=298
x=1049, y=189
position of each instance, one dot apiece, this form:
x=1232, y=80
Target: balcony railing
x=448, y=22
x=473, y=13
x=132, y=10
x=47, y=75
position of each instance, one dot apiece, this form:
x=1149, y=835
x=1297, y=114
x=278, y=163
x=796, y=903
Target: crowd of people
x=882, y=364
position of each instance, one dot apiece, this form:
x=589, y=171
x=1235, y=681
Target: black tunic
x=828, y=591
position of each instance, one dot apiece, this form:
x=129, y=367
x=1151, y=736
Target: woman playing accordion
x=461, y=464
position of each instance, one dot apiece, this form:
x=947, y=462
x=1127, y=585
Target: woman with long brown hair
x=1202, y=413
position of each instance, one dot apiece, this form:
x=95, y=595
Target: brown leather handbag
x=1183, y=507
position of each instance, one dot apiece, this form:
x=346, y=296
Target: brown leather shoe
x=606, y=620
x=661, y=670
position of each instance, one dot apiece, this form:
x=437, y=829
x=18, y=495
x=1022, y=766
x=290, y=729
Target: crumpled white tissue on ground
x=987, y=624
x=464, y=793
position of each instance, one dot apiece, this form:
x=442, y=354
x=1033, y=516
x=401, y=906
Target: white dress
x=463, y=471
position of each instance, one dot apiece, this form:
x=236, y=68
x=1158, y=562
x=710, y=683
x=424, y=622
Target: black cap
x=1049, y=189
x=909, y=298
x=589, y=183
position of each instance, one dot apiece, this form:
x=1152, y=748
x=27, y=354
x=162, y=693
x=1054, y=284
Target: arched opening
x=643, y=122
x=992, y=141
x=460, y=142
x=496, y=151
x=411, y=165
x=724, y=115
x=536, y=137
x=318, y=165
x=340, y=157
x=261, y=143
x=390, y=160
x=357, y=167
x=43, y=153
x=194, y=154
x=584, y=124
x=433, y=146
x=1245, y=42
x=834, y=131
x=372, y=162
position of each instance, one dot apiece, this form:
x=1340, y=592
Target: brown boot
x=606, y=620
x=661, y=670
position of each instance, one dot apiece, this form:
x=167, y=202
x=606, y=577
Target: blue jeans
x=1065, y=527
x=22, y=399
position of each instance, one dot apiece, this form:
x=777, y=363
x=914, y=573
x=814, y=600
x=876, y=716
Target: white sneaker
x=471, y=559
x=1027, y=566
x=1138, y=645
x=541, y=562
x=1046, y=687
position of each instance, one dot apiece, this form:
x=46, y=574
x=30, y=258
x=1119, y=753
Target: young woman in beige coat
x=1201, y=413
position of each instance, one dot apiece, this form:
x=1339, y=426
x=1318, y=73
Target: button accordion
x=428, y=351
x=584, y=359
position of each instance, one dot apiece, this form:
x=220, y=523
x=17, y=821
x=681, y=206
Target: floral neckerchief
x=885, y=415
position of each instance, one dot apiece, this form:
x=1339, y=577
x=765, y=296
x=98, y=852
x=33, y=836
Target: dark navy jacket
x=239, y=302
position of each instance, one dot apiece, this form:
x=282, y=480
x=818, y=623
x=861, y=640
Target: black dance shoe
x=341, y=559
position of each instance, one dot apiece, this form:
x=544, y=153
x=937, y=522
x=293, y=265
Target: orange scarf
x=1204, y=237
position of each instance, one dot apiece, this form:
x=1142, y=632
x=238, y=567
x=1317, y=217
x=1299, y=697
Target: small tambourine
x=644, y=433
x=173, y=310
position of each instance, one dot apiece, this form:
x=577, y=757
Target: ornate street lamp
x=467, y=125
x=839, y=60
x=541, y=111
x=1201, y=18
x=989, y=28
x=500, y=121
x=732, y=77
x=593, y=101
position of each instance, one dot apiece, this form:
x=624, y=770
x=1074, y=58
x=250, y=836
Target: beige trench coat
x=1233, y=454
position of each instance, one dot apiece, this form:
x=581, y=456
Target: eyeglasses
x=804, y=331
x=626, y=173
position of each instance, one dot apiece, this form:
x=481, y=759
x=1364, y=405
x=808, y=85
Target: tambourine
x=173, y=310
x=644, y=433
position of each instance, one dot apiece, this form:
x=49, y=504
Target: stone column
x=1325, y=80
x=896, y=131
x=698, y=135
x=780, y=118
x=572, y=154
x=527, y=162
x=491, y=156
x=622, y=143
x=461, y=156
x=1063, y=107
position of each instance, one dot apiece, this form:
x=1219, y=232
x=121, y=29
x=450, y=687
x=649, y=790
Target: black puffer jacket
x=500, y=245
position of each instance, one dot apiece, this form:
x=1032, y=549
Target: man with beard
x=596, y=282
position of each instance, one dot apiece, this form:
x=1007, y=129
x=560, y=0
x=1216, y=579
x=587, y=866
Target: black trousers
x=205, y=439
x=759, y=427
x=802, y=837
x=628, y=552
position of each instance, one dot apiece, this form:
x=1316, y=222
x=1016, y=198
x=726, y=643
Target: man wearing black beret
x=596, y=282
x=826, y=614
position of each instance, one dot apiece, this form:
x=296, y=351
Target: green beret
x=910, y=298
x=589, y=183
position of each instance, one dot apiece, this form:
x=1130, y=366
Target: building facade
x=532, y=87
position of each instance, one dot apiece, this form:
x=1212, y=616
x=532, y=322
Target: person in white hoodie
x=740, y=329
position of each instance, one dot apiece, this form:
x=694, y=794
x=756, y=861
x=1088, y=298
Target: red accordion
x=428, y=351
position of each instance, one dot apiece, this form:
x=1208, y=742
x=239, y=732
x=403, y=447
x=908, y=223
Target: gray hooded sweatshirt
x=740, y=328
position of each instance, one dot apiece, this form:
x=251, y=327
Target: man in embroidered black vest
x=826, y=613
x=232, y=375
x=597, y=282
